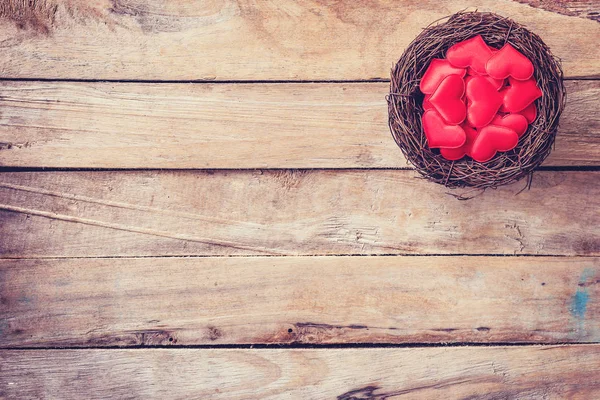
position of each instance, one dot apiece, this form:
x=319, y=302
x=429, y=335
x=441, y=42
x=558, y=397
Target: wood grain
x=319, y=300
x=477, y=373
x=581, y=8
x=154, y=213
x=248, y=39
x=110, y=125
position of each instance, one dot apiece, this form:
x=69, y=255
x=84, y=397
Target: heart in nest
x=498, y=83
x=483, y=101
x=447, y=99
x=439, y=134
x=530, y=112
x=436, y=72
x=520, y=94
x=492, y=139
x=472, y=53
x=508, y=61
x=516, y=122
x=465, y=149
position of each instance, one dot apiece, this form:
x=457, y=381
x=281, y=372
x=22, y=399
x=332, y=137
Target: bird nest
x=405, y=102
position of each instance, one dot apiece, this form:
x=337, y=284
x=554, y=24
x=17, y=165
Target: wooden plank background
x=534, y=372
x=247, y=300
x=316, y=212
x=282, y=175
x=250, y=40
x=150, y=125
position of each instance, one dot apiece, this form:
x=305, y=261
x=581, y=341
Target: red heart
x=439, y=134
x=427, y=104
x=520, y=94
x=508, y=61
x=447, y=99
x=492, y=139
x=530, y=112
x=438, y=69
x=460, y=152
x=498, y=83
x=483, y=101
x=472, y=53
x=516, y=122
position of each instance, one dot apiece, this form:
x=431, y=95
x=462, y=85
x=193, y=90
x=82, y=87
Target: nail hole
x=290, y=330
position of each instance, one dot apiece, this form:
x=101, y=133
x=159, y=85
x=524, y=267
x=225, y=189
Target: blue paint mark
x=580, y=302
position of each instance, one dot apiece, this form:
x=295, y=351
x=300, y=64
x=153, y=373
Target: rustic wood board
x=533, y=372
x=88, y=258
x=133, y=125
x=253, y=40
x=315, y=300
x=315, y=212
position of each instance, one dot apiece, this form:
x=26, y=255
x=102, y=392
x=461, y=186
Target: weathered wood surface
x=582, y=8
x=153, y=213
x=319, y=300
x=111, y=125
x=476, y=373
x=249, y=40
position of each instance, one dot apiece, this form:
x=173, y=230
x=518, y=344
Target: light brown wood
x=248, y=40
x=323, y=300
x=110, y=125
x=563, y=372
x=152, y=213
x=582, y=8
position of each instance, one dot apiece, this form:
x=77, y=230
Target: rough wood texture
x=108, y=125
x=112, y=213
x=241, y=300
x=477, y=373
x=581, y=8
x=248, y=40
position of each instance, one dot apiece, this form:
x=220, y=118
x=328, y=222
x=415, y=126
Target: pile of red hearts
x=478, y=101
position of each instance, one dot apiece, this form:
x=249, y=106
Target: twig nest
x=406, y=102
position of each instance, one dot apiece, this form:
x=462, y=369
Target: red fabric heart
x=516, y=122
x=530, y=112
x=465, y=149
x=483, y=101
x=436, y=72
x=508, y=61
x=447, y=99
x=497, y=83
x=520, y=94
x=472, y=53
x=492, y=139
x=427, y=104
x=439, y=134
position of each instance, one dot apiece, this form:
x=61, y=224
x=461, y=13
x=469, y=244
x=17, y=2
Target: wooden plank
x=322, y=300
x=582, y=8
x=532, y=372
x=314, y=212
x=238, y=40
x=109, y=125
